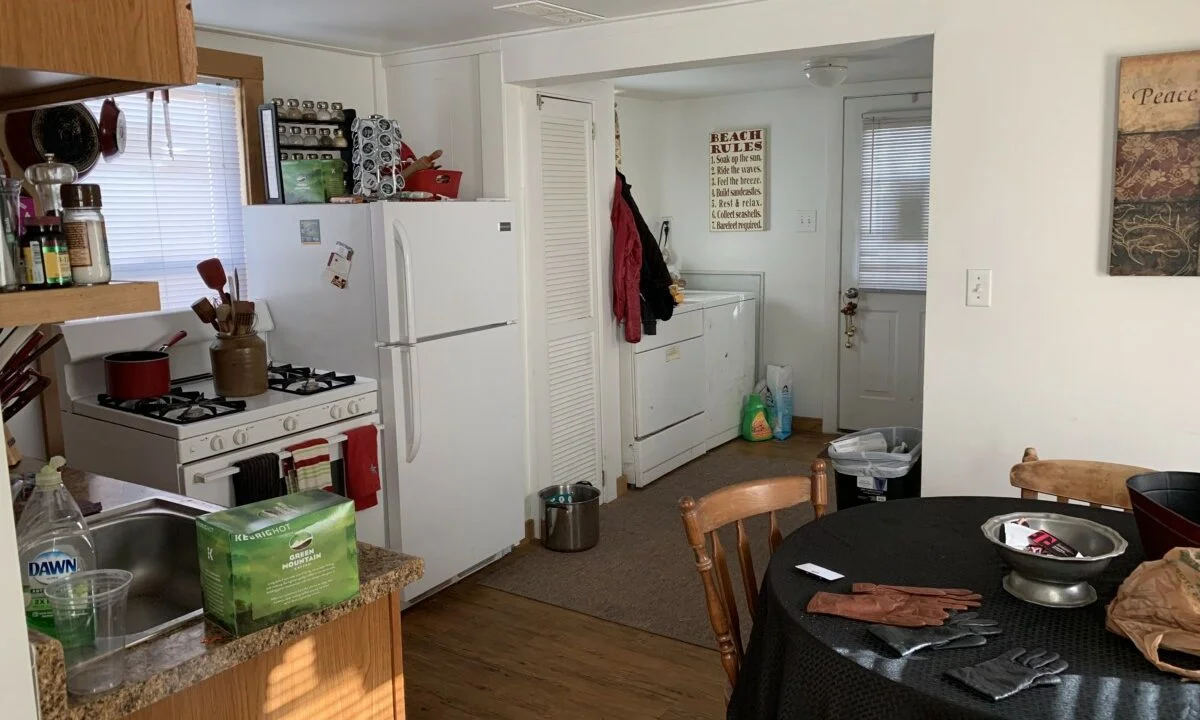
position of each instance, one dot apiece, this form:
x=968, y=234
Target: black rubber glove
x=1011, y=673
x=961, y=631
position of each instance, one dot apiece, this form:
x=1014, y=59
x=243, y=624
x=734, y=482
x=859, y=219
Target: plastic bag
x=755, y=427
x=857, y=457
x=779, y=400
x=1158, y=606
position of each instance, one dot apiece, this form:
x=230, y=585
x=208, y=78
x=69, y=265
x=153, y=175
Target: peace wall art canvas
x=1156, y=191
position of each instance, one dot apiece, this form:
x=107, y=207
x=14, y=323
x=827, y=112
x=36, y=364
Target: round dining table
x=800, y=665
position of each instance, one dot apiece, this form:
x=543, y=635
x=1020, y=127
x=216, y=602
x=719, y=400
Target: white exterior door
x=884, y=241
x=564, y=272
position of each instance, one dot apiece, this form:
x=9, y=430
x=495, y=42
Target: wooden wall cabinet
x=57, y=52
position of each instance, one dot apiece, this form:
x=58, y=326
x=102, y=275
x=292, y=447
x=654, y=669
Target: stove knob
x=354, y=407
x=240, y=437
x=290, y=424
x=335, y=412
x=217, y=444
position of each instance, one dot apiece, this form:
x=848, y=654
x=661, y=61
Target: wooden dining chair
x=1099, y=484
x=733, y=505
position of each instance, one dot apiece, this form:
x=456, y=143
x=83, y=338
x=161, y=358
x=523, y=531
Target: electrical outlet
x=979, y=288
x=806, y=221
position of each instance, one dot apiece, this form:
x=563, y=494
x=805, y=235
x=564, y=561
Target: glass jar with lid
x=323, y=114
x=292, y=110
x=339, y=138
x=308, y=111
x=83, y=229
x=336, y=112
x=326, y=138
x=310, y=137
x=296, y=136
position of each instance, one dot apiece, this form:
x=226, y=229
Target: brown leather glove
x=967, y=598
x=896, y=609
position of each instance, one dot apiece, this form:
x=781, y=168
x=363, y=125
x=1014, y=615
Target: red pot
x=140, y=374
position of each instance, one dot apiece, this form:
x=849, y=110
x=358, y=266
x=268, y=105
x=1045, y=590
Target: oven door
x=211, y=480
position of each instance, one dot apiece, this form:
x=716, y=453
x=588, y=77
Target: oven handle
x=202, y=478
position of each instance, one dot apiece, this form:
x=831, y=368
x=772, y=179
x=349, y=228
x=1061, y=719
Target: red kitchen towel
x=362, y=466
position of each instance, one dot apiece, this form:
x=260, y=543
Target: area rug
x=643, y=574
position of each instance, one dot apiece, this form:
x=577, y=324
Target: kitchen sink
x=156, y=541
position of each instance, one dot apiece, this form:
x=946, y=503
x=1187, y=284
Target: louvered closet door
x=570, y=282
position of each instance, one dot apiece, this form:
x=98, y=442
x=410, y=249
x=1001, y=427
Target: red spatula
x=212, y=272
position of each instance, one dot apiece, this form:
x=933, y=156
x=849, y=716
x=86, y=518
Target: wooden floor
x=476, y=652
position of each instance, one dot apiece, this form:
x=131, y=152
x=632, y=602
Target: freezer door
x=446, y=267
x=455, y=470
x=316, y=322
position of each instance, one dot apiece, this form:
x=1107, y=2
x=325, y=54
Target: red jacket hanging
x=627, y=266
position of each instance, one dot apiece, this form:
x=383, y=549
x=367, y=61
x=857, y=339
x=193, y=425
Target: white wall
x=1067, y=359
x=303, y=72
x=798, y=123
x=643, y=153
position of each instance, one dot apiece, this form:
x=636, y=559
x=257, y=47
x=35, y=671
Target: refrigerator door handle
x=412, y=403
x=400, y=236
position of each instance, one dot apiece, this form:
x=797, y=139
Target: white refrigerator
x=425, y=297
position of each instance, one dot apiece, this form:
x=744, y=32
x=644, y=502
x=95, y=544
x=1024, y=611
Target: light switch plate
x=979, y=288
x=806, y=221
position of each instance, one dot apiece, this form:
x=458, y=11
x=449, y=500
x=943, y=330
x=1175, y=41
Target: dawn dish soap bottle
x=54, y=542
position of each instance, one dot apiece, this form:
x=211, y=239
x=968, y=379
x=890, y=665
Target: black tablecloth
x=801, y=665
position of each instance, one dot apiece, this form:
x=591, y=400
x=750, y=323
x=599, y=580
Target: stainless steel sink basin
x=156, y=541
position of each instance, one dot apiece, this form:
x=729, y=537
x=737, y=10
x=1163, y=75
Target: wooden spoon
x=206, y=312
x=212, y=272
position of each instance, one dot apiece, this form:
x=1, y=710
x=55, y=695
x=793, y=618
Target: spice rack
x=271, y=160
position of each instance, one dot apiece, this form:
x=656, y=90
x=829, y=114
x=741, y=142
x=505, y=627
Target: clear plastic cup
x=89, y=620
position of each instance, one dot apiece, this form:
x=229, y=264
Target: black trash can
x=863, y=477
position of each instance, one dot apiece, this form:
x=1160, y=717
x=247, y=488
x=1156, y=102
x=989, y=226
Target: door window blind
x=164, y=215
x=894, y=208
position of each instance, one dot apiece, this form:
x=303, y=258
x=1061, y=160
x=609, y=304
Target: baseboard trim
x=807, y=424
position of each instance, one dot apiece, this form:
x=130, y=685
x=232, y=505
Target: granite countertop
x=195, y=652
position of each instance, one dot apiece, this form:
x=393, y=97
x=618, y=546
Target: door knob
x=851, y=293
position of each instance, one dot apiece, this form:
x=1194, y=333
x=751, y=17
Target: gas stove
x=178, y=406
x=305, y=381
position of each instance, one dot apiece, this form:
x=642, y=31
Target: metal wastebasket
x=570, y=517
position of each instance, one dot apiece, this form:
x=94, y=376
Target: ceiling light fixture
x=549, y=12
x=826, y=72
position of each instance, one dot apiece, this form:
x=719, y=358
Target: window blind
x=164, y=215
x=894, y=210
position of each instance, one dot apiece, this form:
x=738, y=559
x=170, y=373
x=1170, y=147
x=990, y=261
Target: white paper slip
x=820, y=572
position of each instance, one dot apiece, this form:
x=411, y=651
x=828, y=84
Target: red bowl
x=439, y=182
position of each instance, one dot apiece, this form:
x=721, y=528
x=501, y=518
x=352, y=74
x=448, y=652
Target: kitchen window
x=894, y=219
x=163, y=215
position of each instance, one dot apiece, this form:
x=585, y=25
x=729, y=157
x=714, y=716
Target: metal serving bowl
x=1050, y=580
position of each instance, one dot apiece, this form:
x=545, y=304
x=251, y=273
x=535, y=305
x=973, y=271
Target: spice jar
x=292, y=111
x=44, y=253
x=339, y=138
x=83, y=229
x=239, y=364
x=308, y=111
x=336, y=111
x=296, y=136
x=326, y=138
x=323, y=114
x=47, y=179
x=310, y=137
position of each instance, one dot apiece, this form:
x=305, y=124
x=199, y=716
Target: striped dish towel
x=309, y=468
